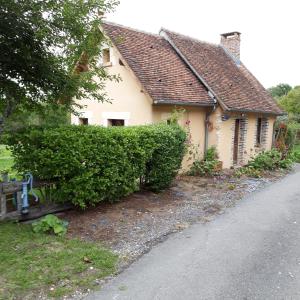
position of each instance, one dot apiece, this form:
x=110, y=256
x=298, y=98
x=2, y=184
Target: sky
x=270, y=40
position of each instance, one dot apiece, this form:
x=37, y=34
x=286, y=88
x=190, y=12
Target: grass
x=297, y=148
x=6, y=161
x=296, y=153
x=33, y=264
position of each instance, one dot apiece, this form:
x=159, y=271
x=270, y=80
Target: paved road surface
x=250, y=252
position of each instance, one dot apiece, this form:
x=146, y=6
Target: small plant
x=50, y=224
x=270, y=160
x=231, y=186
x=247, y=171
x=208, y=166
x=295, y=154
x=177, y=114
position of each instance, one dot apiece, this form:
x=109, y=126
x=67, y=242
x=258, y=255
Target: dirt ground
x=133, y=225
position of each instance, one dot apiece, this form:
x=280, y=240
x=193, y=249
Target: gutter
x=183, y=103
x=255, y=112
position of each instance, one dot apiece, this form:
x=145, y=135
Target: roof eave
x=255, y=111
x=181, y=102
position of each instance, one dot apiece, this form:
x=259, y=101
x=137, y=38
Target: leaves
x=279, y=90
x=41, y=44
x=90, y=164
x=291, y=103
x=50, y=224
x=207, y=166
x=270, y=160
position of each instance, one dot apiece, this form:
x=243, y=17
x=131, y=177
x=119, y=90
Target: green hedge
x=90, y=164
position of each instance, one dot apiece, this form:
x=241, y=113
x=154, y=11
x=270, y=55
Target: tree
x=49, y=51
x=291, y=103
x=279, y=90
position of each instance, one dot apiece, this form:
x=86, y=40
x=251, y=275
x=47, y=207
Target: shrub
x=295, y=154
x=50, y=224
x=89, y=164
x=207, y=166
x=287, y=130
x=270, y=160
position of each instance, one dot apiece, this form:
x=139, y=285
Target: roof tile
x=161, y=71
x=231, y=82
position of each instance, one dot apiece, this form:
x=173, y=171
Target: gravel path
x=131, y=227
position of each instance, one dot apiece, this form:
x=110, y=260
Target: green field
x=6, y=161
x=32, y=263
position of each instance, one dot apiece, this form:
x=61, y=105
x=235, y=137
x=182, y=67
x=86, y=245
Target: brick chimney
x=231, y=41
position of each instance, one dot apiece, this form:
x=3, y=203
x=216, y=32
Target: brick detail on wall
x=264, y=133
x=232, y=141
x=242, y=140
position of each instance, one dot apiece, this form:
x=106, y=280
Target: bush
x=207, y=166
x=50, y=224
x=270, y=160
x=295, y=154
x=89, y=164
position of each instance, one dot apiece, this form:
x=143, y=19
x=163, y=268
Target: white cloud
x=270, y=29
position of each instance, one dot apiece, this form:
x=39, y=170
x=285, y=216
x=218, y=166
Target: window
x=258, y=131
x=105, y=56
x=116, y=122
x=83, y=121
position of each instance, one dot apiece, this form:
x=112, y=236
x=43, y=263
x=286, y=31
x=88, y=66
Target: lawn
x=34, y=264
x=6, y=161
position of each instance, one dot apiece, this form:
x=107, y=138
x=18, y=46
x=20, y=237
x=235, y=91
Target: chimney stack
x=231, y=41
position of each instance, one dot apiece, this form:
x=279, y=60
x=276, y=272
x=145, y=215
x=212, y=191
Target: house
x=225, y=105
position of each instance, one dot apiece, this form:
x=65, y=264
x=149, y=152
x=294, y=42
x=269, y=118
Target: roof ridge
x=130, y=28
x=188, y=37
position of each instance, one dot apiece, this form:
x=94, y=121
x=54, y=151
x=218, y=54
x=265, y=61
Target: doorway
x=236, y=141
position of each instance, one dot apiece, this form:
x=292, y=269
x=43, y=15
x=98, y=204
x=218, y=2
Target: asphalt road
x=250, y=252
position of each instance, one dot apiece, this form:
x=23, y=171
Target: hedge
x=90, y=164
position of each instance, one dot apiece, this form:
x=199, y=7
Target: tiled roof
x=161, y=71
x=228, y=79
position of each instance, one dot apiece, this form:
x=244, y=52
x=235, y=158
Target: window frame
x=114, y=122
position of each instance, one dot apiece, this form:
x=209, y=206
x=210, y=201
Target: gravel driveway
x=250, y=252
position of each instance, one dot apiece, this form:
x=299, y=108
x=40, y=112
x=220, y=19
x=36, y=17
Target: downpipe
x=207, y=115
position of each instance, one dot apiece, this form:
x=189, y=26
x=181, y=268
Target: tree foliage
x=279, y=90
x=49, y=51
x=291, y=102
